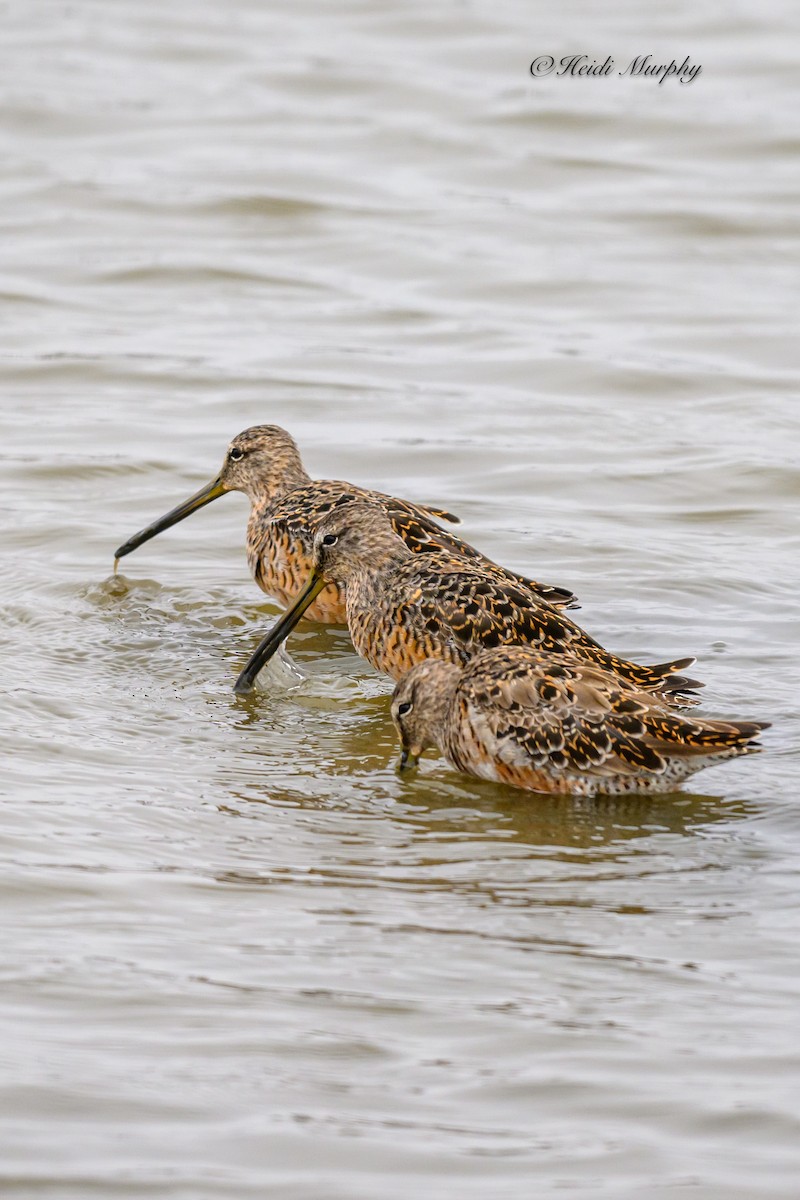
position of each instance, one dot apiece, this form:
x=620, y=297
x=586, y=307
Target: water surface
x=242, y=958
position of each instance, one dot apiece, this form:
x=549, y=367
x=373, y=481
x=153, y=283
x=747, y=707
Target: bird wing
x=479, y=609
x=301, y=510
x=424, y=536
x=484, y=610
x=530, y=710
x=555, y=714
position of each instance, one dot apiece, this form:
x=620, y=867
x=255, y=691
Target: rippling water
x=241, y=957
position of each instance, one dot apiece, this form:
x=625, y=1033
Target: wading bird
x=286, y=505
x=551, y=723
x=404, y=607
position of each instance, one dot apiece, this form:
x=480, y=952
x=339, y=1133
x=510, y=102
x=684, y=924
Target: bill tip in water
x=244, y=684
x=406, y=760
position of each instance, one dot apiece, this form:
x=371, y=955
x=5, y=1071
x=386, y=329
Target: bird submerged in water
x=287, y=505
x=551, y=723
x=404, y=607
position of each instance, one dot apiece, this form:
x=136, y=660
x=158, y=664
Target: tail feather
x=441, y=514
x=677, y=683
x=729, y=733
x=559, y=597
x=663, y=677
x=706, y=737
x=660, y=678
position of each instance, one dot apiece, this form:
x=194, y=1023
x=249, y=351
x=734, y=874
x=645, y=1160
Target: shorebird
x=285, y=507
x=404, y=607
x=551, y=723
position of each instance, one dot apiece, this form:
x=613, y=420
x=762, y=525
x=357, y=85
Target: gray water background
x=241, y=958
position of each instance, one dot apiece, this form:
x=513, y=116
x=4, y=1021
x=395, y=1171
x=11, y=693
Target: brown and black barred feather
x=444, y=608
x=264, y=463
x=552, y=723
x=425, y=537
x=566, y=716
x=289, y=525
x=403, y=607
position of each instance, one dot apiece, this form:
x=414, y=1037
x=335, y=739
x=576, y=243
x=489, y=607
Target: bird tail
x=700, y=737
x=441, y=514
x=662, y=679
x=559, y=597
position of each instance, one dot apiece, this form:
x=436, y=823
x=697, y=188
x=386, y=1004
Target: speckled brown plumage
x=550, y=723
x=287, y=505
x=404, y=607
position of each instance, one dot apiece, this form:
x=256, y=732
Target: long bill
x=206, y=494
x=279, y=632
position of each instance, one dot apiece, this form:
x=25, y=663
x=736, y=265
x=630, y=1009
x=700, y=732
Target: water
x=242, y=958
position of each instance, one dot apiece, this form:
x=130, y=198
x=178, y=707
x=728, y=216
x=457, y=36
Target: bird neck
x=373, y=568
x=439, y=700
x=437, y=696
x=283, y=475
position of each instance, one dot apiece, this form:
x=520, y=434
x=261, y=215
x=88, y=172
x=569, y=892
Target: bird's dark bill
x=210, y=492
x=278, y=634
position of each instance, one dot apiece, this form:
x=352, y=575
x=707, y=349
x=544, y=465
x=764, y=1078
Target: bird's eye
x=404, y=709
x=235, y=454
x=330, y=539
